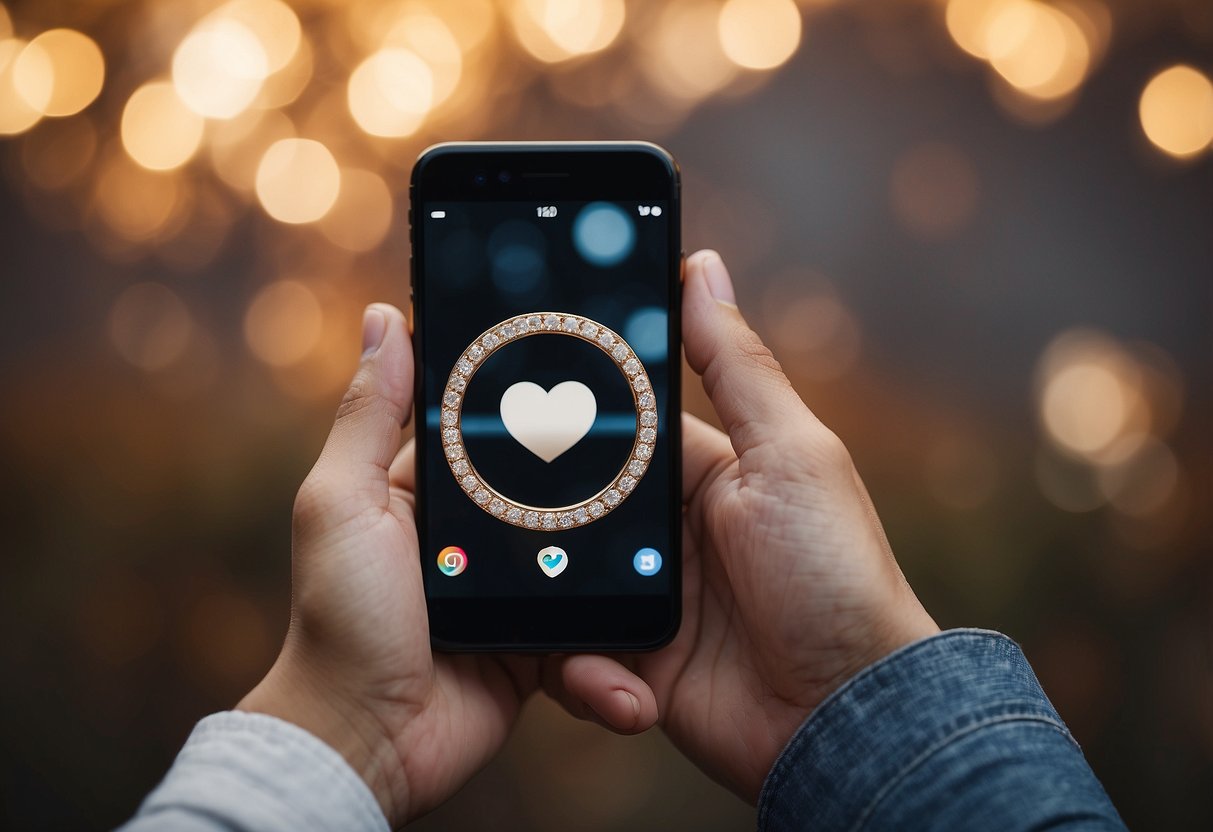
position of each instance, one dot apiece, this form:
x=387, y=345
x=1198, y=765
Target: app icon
x=647, y=561
x=552, y=560
x=452, y=561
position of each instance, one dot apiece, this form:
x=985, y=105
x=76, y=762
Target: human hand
x=356, y=669
x=789, y=584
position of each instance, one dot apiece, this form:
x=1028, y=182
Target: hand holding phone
x=790, y=585
x=356, y=669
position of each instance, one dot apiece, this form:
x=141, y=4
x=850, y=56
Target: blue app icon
x=647, y=561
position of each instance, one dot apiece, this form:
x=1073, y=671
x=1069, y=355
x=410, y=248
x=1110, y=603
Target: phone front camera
x=504, y=177
x=479, y=179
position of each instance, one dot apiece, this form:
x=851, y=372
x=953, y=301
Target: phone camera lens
x=504, y=177
x=479, y=178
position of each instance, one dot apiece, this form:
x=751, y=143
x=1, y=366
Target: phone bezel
x=557, y=171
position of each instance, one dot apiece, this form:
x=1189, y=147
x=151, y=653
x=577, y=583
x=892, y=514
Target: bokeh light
x=1090, y=393
x=430, y=39
x=150, y=326
x=17, y=114
x=134, y=203
x=1042, y=51
x=158, y=130
x=811, y=328
x=272, y=22
x=297, y=180
x=1037, y=48
x=683, y=73
x=390, y=93
x=219, y=68
x=933, y=190
x=1177, y=111
x=60, y=72
x=362, y=214
x=236, y=146
x=556, y=30
x=283, y=323
x=1143, y=482
x=759, y=34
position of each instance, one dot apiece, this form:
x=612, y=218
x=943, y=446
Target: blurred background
x=978, y=233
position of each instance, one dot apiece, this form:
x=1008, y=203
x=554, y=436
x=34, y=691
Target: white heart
x=548, y=422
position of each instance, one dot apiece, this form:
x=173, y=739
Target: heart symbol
x=548, y=422
x=552, y=560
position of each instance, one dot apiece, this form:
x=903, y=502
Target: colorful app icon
x=552, y=560
x=647, y=561
x=452, y=561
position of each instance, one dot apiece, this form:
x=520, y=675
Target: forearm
x=952, y=732
x=242, y=772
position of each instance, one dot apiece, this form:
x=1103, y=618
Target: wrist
x=347, y=729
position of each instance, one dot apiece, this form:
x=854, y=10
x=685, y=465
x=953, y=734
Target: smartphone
x=546, y=296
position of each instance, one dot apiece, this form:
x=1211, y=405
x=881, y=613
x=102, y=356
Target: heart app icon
x=552, y=560
x=548, y=422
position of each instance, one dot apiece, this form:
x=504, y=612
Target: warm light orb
x=968, y=23
x=134, y=203
x=1084, y=407
x=1176, y=111
x=1091, y=399
x=390, y=93
x=430, y=39
x=759, y=34
x=158, y=130
x=16, y=113
x=283, y=323
x=6, y=23
x=271, y=22
x=235, y=147
x=76, y=72
x=1038, y=49
x=297, y=180
x=219, y=68
x=556, y=30
x=687, y=74
x=362, y=215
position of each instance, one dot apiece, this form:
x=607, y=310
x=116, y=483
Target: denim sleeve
x=949, y=733
x=247, y=772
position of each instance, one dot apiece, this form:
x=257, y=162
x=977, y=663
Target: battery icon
x=437, y=215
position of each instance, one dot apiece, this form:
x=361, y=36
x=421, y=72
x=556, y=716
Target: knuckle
x=750, y=347
x=360, y=396
x=746, y=352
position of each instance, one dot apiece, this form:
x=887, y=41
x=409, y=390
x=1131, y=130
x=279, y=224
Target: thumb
x=749, y=391
x=366, y=434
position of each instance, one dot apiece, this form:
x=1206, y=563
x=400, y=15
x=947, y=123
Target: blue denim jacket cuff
x=890, y=719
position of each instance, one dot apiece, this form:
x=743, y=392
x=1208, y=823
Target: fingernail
x=718, y=280
x=374, y=327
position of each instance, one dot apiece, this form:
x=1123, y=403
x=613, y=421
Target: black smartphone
x=546, y=299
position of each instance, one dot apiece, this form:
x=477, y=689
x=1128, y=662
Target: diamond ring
x=621, y=485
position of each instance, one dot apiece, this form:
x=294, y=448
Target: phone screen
x=547, y=400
